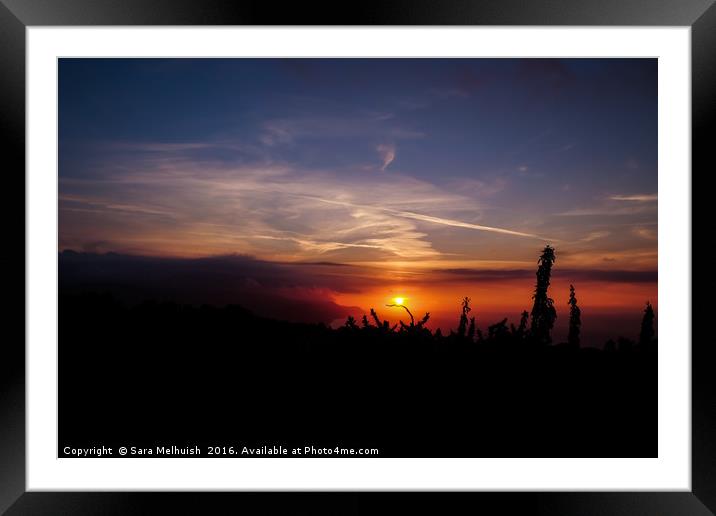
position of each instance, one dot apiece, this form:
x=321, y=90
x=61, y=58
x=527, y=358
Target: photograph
x=357, y=257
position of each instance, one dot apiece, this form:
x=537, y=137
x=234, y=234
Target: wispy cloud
x=595, y=235
x=479, y=188
x=97, y=204
x=348, y=126
x=387, y=154
x=270, y=211
x=277, y=132
x=608, y=211
x=645, y=233
x=635, y=198
x=431, y=219
x=196, y=206
x=318, y=246
x=616, y=205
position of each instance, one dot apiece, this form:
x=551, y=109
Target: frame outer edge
x=12, y=260
x=703, y=396
x=12, y=122
x=366, y=12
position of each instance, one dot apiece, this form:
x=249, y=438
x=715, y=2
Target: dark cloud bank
x=290, y=292
x=576, y=275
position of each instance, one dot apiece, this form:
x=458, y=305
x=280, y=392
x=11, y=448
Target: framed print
x=420, y=249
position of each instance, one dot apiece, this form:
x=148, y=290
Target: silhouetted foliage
x=498, y=332
x=377, y=320
x=575, y=319
x=625, y=345
x=471, y=330
x=520, y=331
x=412, y=327
x=383, y=326
x=646, y=335
x=365, y=321
x=543, y=311
x=351, y=323
x=462, y=325
x=610, y=346
x=412, y=319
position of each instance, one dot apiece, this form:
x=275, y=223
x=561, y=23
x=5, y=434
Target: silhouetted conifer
x=575, y=319
x=646, y=335
x=543, y=312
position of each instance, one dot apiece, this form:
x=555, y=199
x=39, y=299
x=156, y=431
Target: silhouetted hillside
x=185, y=374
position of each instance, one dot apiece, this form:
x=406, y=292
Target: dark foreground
x=162, y=375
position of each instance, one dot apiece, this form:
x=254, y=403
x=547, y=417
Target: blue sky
x=460, y=117
x=529, y=140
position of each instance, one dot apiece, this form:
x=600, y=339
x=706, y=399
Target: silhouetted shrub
x=575, y=319
x=462, y=325
x=646, y=335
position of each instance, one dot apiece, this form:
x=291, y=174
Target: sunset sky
x=347, y=182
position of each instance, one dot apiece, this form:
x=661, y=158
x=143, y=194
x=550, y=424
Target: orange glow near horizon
x=493, y=301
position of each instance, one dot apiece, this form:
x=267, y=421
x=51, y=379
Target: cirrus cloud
x=387, y=154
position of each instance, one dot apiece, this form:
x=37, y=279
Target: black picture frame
x=16, y=15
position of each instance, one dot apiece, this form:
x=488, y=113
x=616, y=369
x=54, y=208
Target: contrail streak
x=427, y=218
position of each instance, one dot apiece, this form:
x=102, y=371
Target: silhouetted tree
x=610, y=346
x=646, y=334
x=543, y=312
x=383, y=325
x=351, y=323
x=462, y=326
x=520, y=330
x=471, y=330
x=575, y=319
x=498, y=331
x=365, y=322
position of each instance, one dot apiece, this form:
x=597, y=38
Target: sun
x=399, y=300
